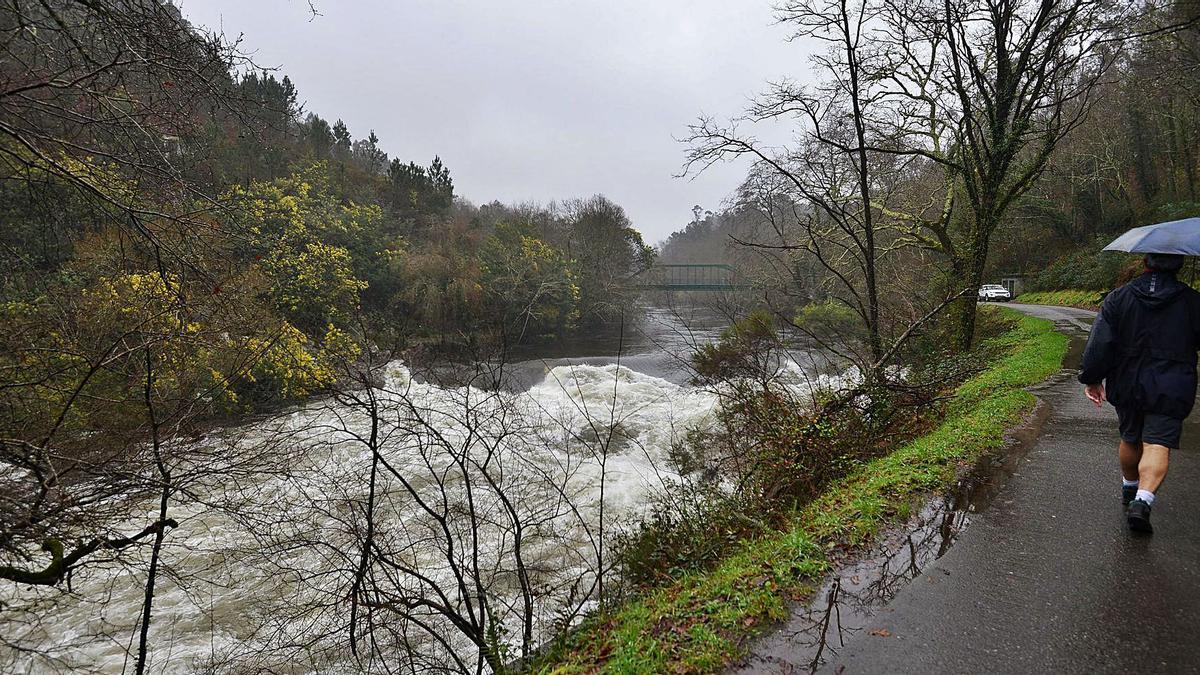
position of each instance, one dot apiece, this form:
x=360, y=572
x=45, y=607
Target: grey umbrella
x=1181, y=237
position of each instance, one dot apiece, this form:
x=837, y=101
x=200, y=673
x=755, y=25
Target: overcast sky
x=529, y=100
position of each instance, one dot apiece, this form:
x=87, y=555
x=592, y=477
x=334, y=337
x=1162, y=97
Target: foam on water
x=243, y=584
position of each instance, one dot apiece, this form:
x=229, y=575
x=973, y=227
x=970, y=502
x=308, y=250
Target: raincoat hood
x=1156, y=289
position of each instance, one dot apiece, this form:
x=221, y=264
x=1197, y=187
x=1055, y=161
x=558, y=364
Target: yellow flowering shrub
x=285, y=366
x=534, y=278
x=313, y=284
x=301, y=235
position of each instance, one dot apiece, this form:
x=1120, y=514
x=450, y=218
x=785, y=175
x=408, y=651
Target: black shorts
x=1149, y=428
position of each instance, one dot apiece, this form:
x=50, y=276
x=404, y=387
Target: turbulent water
x=258, y=573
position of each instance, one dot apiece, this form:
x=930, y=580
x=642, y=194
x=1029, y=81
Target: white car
x=994, y=293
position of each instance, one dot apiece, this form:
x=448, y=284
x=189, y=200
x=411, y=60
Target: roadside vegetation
x=703, y=619
x=1066, y=298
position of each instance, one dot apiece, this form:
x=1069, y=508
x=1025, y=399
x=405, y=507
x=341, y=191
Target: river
x=578, y=437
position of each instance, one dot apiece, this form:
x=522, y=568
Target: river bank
x=705, y=620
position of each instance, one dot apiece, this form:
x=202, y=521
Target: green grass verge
x=702, y=621
x=1068, y=298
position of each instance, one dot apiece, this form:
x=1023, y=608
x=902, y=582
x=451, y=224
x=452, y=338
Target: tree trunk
x=969, y=269
x=151, y=578
x=864, y=186
x=164, y=499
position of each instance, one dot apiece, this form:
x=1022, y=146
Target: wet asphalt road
x=1047, y=578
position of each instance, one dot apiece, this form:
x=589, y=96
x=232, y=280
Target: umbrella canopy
x=1181, y=237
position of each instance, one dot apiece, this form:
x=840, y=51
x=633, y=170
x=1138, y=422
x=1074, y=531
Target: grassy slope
x=1070, y=298
x=703, y=620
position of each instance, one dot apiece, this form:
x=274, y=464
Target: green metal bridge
x=690, y=277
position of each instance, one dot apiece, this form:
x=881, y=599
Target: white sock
x=1125, y=482
x=1146, y=496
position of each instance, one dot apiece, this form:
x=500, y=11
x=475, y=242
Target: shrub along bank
x=1068, y=298
x=703, y=620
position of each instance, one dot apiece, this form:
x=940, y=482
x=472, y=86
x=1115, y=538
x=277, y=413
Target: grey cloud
x=533, y=100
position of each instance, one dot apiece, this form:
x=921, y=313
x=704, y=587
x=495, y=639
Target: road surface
x=1046, y=578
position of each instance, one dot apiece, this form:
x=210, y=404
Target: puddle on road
x=866, y=581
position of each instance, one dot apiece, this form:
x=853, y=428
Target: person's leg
x=1130, y=454
x=1160, y=434
x=1152, y=468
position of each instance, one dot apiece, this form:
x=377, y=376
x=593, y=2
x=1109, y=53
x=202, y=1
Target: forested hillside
x=178, y=189
x=1132, y=162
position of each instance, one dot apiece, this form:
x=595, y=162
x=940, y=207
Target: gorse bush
x=830, y=319
x=692, y=525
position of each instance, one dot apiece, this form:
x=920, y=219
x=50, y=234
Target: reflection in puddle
x=864, y=582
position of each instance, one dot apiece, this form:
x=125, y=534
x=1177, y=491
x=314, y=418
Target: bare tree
x=448, y=527
x=986, y=91
x=831, y=174
x=838, y=185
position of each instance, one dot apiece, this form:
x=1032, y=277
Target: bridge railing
x=690, y=277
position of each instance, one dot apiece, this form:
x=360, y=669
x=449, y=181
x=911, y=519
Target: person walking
x=1141, y=358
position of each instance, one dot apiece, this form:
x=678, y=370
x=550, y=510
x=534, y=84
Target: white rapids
x=265, y=589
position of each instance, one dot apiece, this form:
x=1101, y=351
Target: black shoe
x=1138, y=516
x=1128, y=492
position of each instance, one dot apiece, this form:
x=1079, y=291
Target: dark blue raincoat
x=1143, y=346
